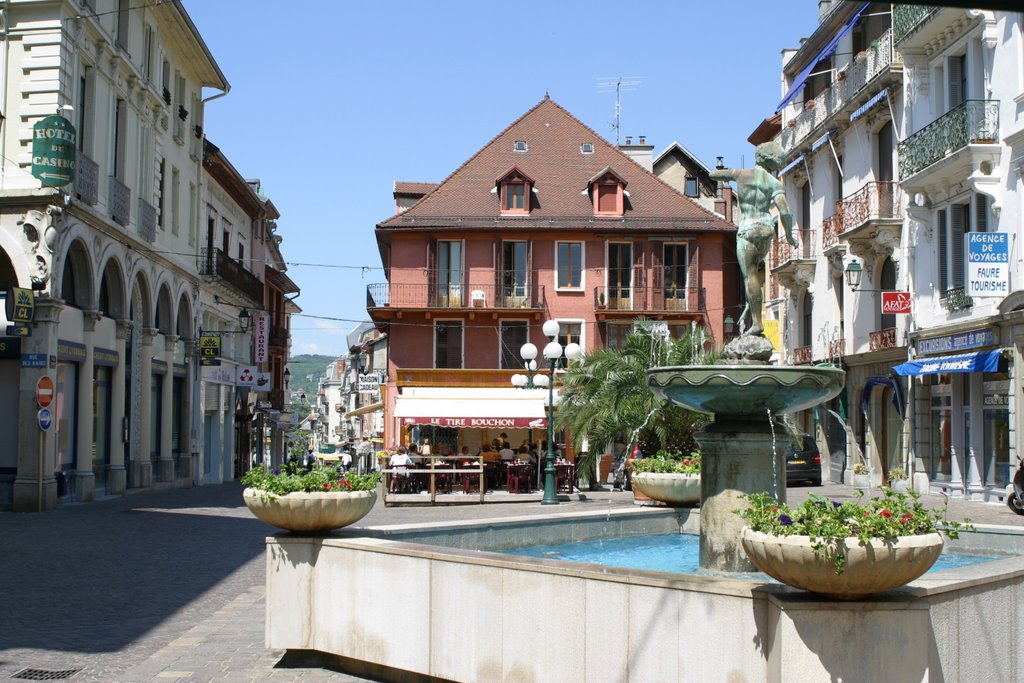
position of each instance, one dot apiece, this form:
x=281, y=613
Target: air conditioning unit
x=478, y=297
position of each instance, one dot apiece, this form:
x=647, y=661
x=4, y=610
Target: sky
x=332, y=101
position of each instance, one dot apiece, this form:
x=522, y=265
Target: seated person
x=525, y=455
x=507, y=454
x=401, y=461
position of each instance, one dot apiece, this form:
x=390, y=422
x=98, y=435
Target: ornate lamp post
x=552, y=352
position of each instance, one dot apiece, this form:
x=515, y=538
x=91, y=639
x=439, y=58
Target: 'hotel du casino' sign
x=53, y=151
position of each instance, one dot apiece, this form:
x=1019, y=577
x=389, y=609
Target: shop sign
x=261, y=336
x=894, y=303
x=997, y=400
x=246, y=376
x=956, y=342
x=53, y=151
x=19, y=331
x=369, y=384
x=20, y=305
x=988, y=263
x=263, y=382
x=479, y=422
x=10, y=348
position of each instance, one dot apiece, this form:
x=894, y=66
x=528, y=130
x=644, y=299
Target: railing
x=864, y=69
x=878, y=199
x=973, y=122
x=837, y=348
x=686, y=299
x=830, y=229
x=120, y=202
x=216, y=263
x=807, y=248
x=146, y=222
x=278, y=336
x=906, y=18
x=803, y=354
x=956, y=299
x=882, y=339
x=87, y=180
x=387, y=295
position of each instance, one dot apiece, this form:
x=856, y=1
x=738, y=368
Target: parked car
x=803, y=460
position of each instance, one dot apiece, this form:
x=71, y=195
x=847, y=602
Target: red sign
x=479, y=422
x=44, y=391
x=895, y=302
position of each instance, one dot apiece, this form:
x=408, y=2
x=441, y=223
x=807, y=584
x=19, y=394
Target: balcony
x=650, y=299
x=803, y=355
x=907, y=18
x=956, y=299
x=120, y=202
x=882, y=339
x=869, y=72
x=147, y=221
x=221, y=268
x=278, y=337
x=836, y=349
x=950, y=146
x=795, y=266
x=431, y=296
x=87, y=180
x=870, y=219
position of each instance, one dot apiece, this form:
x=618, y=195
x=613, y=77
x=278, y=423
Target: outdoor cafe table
x=433, y=471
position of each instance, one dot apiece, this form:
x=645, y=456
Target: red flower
x=348, y=484
x=775, y=508
x=328, y=486
x=867, y=513
x=885, y=513
x=907, y=516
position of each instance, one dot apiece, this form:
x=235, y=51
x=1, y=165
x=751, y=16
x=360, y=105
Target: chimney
x=641, y=153
x=723, y=202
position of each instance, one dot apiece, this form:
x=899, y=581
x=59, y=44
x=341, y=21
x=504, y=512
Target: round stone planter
x=310, y=513
x=899, y=485
x=675, y=490
x=879, y=566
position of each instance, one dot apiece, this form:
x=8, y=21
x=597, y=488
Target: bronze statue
x=757, y=189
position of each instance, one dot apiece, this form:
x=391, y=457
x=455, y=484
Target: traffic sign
x=45, y=418
x=44, y=391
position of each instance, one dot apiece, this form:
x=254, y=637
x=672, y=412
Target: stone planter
x=310, y=513
x=862, y=481
x=899, y=485
x=675, y=490
x=881, y=565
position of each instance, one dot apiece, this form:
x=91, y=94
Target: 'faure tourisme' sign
x=988, y=263
x=53, y=151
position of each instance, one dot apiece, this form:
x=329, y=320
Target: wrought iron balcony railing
x=388, y=295
x=803, y=355
x=783, y=251
x=837, y=348
x=146, y=222
x=87, y=180
x=120, y=202
x=219, y=265
x=882, y=339
x=956, y=299
x=278, y=336
x=973, y=122
x=906, y=18
x=686, y=299
x=876, y=200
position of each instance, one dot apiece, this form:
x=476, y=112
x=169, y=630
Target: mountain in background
x=307, y=370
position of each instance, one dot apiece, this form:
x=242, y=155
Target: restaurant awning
x=472, y=408
x=978, y=361
x=363, y=410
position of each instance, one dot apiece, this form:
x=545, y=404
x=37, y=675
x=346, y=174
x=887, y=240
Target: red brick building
x=547, y=221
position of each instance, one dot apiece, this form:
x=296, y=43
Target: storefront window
x=64, y=415
x=101, y=425
x=997, y=432
x=939, y=467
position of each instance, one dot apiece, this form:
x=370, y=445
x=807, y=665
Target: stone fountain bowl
x=746, y=391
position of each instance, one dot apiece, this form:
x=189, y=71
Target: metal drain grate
x=45, y=674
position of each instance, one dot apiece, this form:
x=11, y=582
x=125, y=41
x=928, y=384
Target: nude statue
x=757, y=189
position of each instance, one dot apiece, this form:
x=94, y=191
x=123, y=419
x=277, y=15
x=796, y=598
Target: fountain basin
x=746, y=391
x=481, y=615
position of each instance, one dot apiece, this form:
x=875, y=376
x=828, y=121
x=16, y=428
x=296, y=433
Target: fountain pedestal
x=736, y=459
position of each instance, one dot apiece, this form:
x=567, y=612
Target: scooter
x=1015, y=499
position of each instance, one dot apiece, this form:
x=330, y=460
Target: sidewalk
x=169, y=585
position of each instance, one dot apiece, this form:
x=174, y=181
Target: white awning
x=363, y=410
x=472, y=408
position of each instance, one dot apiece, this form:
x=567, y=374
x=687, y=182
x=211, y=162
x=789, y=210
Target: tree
x=606, y=398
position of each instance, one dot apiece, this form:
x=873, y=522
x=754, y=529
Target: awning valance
x=825, y=52
x=473, y=409
x=978, y=361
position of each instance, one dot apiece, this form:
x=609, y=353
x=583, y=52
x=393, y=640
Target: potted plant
x=600, y=300
x=672, y=478
x=847, y=550
x=861, y=476
x=309, y=501
x=898, y=480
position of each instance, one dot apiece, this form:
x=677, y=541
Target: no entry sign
x=44, y=391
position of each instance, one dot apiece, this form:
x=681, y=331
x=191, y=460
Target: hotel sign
x=53, y=151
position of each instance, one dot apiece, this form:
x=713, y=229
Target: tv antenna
x=619, y=84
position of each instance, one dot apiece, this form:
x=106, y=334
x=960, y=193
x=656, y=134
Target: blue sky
x=331, y=101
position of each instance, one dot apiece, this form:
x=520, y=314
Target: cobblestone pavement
x=169, y=585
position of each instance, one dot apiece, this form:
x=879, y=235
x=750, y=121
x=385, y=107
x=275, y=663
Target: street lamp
x=552, y=352
x=854, y=273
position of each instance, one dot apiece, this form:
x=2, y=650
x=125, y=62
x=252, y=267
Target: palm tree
x=606, y=398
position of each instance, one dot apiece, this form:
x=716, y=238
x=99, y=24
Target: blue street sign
x=33, y=360
x=45, y=419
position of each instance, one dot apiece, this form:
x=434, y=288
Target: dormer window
x=587, y=148
x=607, y=190
x=519, y=146
x=515, y=188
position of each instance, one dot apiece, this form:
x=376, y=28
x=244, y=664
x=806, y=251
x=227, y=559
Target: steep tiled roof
x=559, y=171
x=408, y=188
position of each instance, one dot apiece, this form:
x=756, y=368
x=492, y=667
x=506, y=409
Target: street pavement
x=168, y=585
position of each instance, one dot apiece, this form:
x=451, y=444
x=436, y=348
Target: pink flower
x=328, y=486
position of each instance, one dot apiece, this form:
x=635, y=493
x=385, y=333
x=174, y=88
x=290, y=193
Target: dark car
x=803, y=460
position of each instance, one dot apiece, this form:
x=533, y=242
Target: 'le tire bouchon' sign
x=53, y=151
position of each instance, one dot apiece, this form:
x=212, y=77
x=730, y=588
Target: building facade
x=547, y=221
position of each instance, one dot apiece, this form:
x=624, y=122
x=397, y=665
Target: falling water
x=775, y=457
x=629, y=444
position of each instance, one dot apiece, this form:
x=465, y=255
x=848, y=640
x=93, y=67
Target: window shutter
x=943, y=254
x=432, y=272
x=454, y=345
x=956, y=79
x=958, y=215
x=499, y=273
x=981, y=206
x=530, y=284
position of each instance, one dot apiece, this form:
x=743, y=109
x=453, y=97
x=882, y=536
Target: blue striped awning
x=791, y=165
x=866, y=107
x=978, y=361
x=826, y=51
x=820, y=141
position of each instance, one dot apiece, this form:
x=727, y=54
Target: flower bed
x=309, y=501
x=673, y=479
